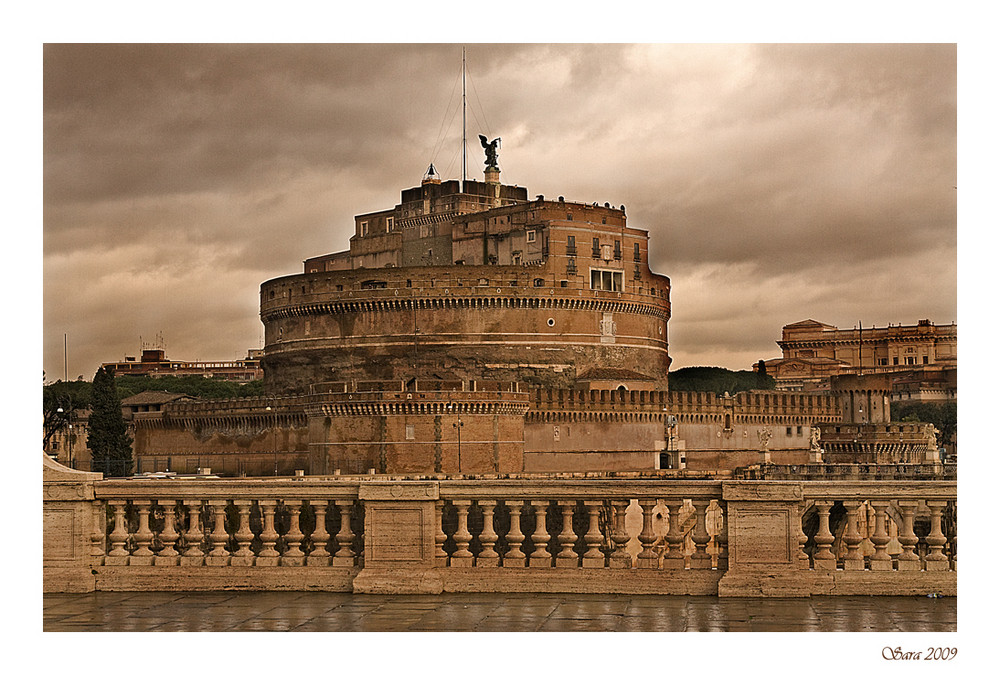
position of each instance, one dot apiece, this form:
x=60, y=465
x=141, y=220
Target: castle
x=470, y=329
x=474, y=282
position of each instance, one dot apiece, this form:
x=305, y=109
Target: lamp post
x=274, y=431
x=671, y=429
x=458, y=426
x=70, y=441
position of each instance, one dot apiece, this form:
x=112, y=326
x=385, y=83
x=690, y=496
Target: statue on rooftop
x=491, y=150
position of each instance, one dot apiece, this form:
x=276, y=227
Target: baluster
x=540, y=557
x=908, y=558
x=344, y=558
x=700, y=559
x=169, y=536
x=319, y=537
x=440, y=555
x=803, y=557
x=593, y=557
x=462, y=558
x=143, y=555
x=514, y=558
x=647, y=537
x=218, y=556
x=293, y=556
x=567, y=558
x=98, y=533
x=620, y=557
x=118, y=556
x=674, y=557
x=243, y=555
x=936, y=560
x=193, y=556
x=824, y=558
x=853, y=559
x=488, y=538
x=722, y=537
x=880, y=560
x=268, y=555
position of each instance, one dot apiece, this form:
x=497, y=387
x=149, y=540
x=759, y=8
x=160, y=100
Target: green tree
x=195, y=386
x=944, y=416
x=108, y=440
x=718, y=380
x=59, y=401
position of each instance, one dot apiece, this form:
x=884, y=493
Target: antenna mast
x=463, y=119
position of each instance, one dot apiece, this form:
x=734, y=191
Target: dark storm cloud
x=777, y=181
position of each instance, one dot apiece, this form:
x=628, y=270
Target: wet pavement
x=323, y=611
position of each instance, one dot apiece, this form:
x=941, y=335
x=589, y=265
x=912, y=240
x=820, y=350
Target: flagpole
x=463, y=122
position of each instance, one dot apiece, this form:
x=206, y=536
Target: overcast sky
x=778, y=183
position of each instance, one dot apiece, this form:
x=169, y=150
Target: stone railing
x=379, y=534
x=849, y=471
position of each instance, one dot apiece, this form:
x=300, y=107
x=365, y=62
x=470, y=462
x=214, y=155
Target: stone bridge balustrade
x=242, y=524
x=516, y=533
x=896, y=532
x=541, y=533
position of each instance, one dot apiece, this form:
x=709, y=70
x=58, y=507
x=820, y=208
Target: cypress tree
x=108, y=441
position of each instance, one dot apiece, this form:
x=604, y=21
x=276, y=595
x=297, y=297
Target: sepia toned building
x=473, y=283
x=813, y=352
x=470, y=329
x=154, y=363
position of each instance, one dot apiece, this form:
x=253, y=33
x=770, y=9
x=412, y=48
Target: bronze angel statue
x=491, y=150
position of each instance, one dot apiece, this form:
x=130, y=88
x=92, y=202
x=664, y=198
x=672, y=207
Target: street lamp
x=274, y=432
x=458, y=426
x=671, y=429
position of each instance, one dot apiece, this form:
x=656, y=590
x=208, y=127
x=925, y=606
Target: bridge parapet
x=428, y=534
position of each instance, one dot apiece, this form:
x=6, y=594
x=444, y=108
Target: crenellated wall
x=412, y=426
x=618, y=430
x=255, y=436
x=418, y=428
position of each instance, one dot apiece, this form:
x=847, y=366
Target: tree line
x=718, y=380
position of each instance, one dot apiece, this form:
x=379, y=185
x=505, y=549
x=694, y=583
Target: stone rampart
x=254, y=436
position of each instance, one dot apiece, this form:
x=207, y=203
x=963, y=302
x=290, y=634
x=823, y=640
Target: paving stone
x=334, y=611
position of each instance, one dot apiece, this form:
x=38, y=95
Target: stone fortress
x=472, y=329
x=506, y=385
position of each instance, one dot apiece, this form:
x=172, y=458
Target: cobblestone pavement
x=322, y=611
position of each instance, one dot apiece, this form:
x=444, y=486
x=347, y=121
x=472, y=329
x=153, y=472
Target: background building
x=154, y=363
x=923, y=358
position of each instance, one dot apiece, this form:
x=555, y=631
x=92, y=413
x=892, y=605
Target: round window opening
x=551, y=322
